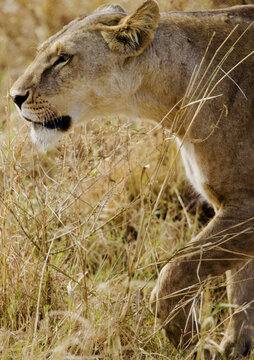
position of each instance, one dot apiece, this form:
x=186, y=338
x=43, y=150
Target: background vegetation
x=80, y=246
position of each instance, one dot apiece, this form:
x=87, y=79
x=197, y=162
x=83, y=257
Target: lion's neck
x=166, y=71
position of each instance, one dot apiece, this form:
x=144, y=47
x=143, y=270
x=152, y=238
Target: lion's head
x=84, y=71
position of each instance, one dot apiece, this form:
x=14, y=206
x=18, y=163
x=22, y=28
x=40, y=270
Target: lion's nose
x=19, y=99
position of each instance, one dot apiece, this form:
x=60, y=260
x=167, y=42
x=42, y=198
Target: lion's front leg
x=222, y=245
x=237, y=340
x=171, y=301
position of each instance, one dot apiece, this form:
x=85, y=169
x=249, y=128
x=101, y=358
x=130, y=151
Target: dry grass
x=76, y=267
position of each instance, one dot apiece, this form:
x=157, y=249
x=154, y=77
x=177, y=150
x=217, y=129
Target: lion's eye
x=62, y=59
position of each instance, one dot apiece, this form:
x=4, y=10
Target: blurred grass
x=76, y=275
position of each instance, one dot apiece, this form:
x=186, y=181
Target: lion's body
x=184, y=40
x=195, y=70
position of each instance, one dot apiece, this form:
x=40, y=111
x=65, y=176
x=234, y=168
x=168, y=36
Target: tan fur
x=138, y=65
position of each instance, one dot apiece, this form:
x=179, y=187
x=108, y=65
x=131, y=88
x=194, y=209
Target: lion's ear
x=135, y=31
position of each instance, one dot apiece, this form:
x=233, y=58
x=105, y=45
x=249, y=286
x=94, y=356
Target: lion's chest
x=193, y=170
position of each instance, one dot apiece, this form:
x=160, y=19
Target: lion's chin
x=46, y=135
x=45, y=138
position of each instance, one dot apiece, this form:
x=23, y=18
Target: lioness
x=193, y=72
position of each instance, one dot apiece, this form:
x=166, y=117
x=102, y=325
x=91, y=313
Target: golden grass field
x=80, y=243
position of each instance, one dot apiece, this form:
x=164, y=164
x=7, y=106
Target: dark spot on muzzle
x=62, y=123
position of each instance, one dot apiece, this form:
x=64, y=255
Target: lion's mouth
x=62, y=123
